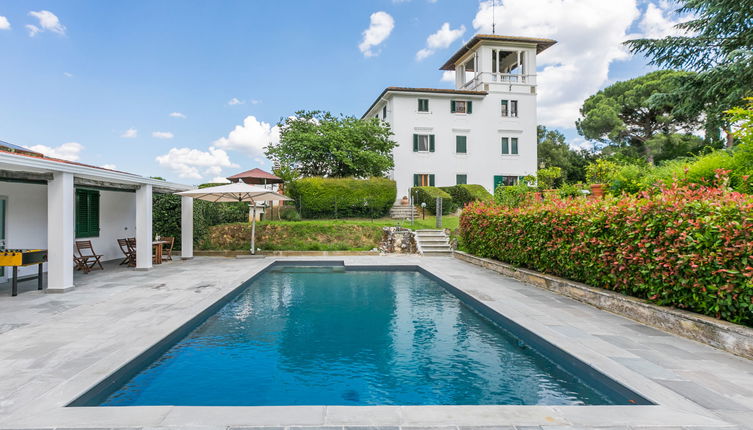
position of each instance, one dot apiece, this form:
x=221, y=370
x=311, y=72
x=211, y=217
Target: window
x=504, y=181
x=87, y=213
x=423, y=180
x=510, y=108
x=384, y=113
x=423, y=105
x=423, y=143
x=509, y=146
x=461, y=144
x=461, y=179
x=457, y=106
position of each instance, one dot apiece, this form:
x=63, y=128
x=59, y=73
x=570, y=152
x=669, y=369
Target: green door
x=2, y=230
x=498, y=180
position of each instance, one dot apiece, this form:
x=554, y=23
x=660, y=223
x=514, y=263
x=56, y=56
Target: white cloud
x=219, y=180
x=162, y=135
x=109, y=166
x=68, y=74
x=178, y=115
x=130, y=133
x=659, y=20
x=250, y=138
x=234, y=101
x=379, y=30
x=194, y=163
x=48, y=21
x=33, y=29
x=67, y=151
x=4, y=23
x=442, y=39
x=255, y=101
x=448, y=76
x=590, y=34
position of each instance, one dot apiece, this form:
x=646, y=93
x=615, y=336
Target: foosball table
x=16, y=258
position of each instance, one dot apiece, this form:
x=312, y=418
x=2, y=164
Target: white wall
x=117, y=220
x=484, y=128
x=26, y=221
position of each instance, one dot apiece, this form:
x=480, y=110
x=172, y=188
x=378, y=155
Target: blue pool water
x=318, y=336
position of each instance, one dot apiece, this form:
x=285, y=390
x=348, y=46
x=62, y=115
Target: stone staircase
x=403, y=212
x=433, y=242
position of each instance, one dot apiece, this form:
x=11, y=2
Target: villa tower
x=482, y=132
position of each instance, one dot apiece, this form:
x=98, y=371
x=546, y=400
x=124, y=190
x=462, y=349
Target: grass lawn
x=312, y=235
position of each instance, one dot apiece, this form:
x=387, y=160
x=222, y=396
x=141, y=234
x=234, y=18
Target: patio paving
x=54, y=347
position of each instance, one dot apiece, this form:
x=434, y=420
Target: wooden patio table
x=157, y=247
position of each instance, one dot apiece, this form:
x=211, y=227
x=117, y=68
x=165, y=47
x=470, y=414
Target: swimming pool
x=302, y=334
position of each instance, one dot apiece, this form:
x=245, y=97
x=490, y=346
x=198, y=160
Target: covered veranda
x=41, y=210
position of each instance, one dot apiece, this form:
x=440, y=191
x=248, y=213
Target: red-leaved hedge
x=689, y=247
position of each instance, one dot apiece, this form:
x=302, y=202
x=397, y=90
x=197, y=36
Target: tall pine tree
x=719, y=46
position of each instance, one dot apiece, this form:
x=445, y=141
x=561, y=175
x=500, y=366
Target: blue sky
x=96, y=81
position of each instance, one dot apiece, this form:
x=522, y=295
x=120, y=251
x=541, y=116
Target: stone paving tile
x=487, y=428
x=372, y=427
x=703, y=396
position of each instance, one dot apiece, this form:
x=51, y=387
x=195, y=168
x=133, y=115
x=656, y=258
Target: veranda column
x=186, y=228
x=60, y=234
x=144, y=227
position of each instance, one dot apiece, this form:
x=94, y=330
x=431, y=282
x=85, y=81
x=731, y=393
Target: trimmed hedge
x=466, y=193
x=318, y=197
x=295, y=236
x=429, y=196
x=689, y=247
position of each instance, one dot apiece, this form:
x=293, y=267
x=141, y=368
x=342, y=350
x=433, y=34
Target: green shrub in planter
x=465, y=193
x=429, y=196
x=318, y=197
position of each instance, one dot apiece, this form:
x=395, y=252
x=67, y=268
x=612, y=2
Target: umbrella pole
x=253, y=229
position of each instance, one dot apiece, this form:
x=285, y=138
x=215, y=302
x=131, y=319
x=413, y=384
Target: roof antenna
x=494, y=24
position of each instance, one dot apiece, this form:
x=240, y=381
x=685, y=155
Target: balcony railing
x=502, y=78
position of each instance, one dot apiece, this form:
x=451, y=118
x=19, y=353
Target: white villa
x=482, y=132
x=48, y=203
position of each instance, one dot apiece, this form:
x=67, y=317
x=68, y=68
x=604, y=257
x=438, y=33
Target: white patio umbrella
x=237, y=192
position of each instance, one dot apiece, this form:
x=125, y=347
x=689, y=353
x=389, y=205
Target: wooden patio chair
x=128, y=252
x=89, y=258
x=167, y=249
x=80, y=263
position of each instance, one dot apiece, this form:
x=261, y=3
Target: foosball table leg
x=14, y=282
x=40, y=277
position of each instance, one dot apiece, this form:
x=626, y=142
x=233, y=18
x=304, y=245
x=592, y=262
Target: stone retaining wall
x=733, y=338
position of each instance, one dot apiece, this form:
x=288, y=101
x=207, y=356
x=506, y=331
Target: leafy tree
x=553, y=151
x=317, y=143
x=718, y=44
x=629, y=114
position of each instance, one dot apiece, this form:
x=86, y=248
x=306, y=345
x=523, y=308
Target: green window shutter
x=416, y=179
x=505, y=108
x=460, y=144
x=82, y=213
x=505, y=145
x=415, y=143
x=420, y=105
x=452, y=106
x=431, y=180
x=514, y=149
x=94, y=213
x=87, y=213
x=431, y=143
x=469, y=107
x=461, y=179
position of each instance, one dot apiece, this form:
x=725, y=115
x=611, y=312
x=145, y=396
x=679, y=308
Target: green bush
x=429, y=196
x=166, y=216
x=548, y=177
x=289, y=213
x=466, y=193
x=627, y=179
x=601, y=171
x=513, y=195
x=318, y=197
x=570, y=190
x=688, y=247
